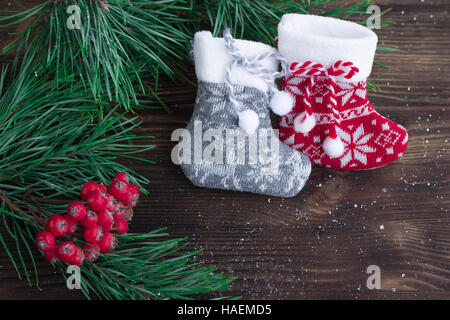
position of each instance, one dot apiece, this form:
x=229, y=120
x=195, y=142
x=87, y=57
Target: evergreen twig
x=143, y=38
x=112, y=50
x=50, y=145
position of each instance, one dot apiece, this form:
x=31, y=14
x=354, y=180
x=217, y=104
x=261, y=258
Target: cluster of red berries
x=106, y=214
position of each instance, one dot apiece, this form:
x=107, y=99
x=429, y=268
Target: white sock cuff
x=326, y=40
x=212, y=60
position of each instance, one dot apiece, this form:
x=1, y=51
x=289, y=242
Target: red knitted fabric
x=370, y=140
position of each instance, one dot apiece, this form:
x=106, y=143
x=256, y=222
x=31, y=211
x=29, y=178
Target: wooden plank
x=319, y=244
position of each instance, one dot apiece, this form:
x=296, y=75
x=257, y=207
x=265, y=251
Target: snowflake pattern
x=349, y=90
x=315, y=153
x=386, y=139
x=370, y=140
x=356, y=145
x=293, y=85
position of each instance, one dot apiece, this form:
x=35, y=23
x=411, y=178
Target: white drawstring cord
x=281, y=102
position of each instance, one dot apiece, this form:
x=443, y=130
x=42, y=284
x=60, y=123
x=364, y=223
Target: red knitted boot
x=333, y=122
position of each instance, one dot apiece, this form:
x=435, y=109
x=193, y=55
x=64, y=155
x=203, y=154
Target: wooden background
x=318, y=244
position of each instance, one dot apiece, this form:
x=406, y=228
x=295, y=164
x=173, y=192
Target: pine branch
x=54, y=139
x=250, y=19
x=143, y=38
x=152, y=269
x=114, y=48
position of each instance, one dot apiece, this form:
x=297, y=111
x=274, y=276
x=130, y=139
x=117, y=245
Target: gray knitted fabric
x=282, y=171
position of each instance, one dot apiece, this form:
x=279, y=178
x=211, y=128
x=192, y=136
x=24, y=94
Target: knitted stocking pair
x=229, y=142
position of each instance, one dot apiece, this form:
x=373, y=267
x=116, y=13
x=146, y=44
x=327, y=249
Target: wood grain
x=319, y=244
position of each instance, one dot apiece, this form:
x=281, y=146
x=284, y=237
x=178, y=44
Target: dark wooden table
x=319, y=244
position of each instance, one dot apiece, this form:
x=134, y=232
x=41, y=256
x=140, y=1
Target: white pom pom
x=281, y=102
x=248, y=121
x=334, y=147
x=304, y=122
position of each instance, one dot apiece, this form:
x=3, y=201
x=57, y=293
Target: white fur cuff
x=326, y=40
x=212, y=60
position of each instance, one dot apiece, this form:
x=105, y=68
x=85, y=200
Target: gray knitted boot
x=229, y=142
